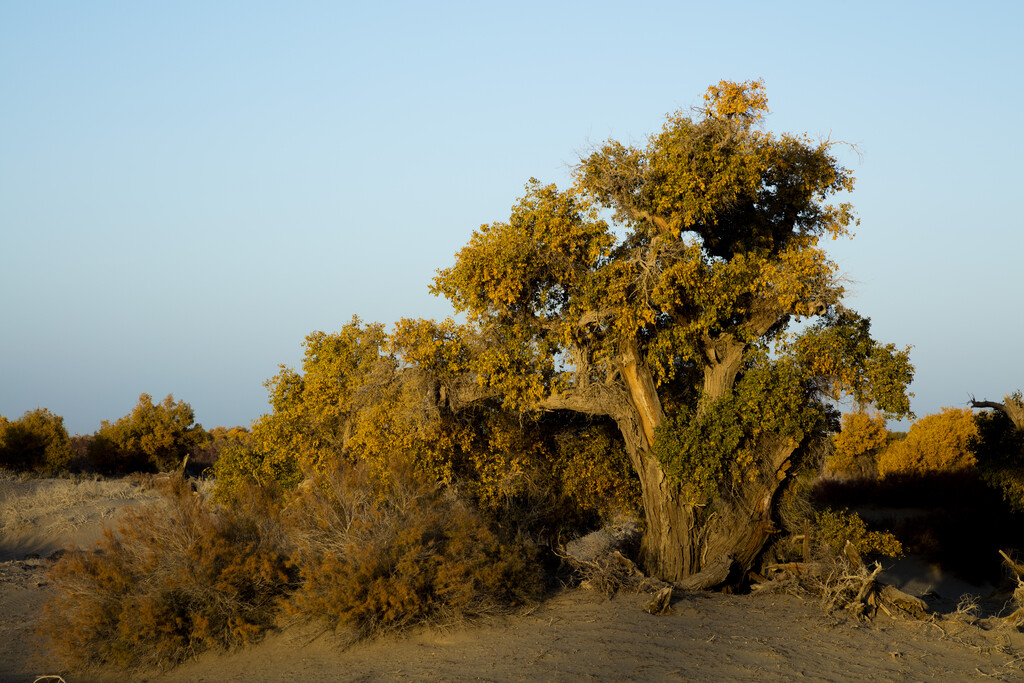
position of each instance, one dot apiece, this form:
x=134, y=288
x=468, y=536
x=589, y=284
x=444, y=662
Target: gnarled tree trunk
x=682, y=538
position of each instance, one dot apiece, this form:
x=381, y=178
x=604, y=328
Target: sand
x=573, y=635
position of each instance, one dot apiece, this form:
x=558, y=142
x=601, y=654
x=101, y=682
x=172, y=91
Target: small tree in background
x=150, y=437
x=861, y=438
x=36, y=441
x=936, y=443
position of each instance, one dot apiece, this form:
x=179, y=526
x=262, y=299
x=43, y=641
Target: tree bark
x=683, y=539
x=724, y=358
x=642, y=391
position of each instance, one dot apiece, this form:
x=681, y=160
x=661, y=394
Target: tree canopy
x=660, y=290
x=36, y=441
x=936, y=443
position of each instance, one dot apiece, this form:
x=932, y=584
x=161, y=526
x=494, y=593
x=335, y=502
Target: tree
x=35, y=441
x=999, y=446
x=940, y=442
x=152, y=436
x=858, y=442
x=1012, y=407
x=659, y=292
x=221, y=438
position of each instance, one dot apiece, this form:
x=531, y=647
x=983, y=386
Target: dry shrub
x=36, y=441
x=175, y=579
x=382, y=552
x=610, y=573
x=837, y=528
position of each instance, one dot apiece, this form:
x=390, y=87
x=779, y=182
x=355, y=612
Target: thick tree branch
x=596, y=316
x=466, y=393
x=593, y=399
x=1012, y=408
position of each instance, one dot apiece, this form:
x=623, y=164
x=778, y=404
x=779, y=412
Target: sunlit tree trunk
x=683, y=539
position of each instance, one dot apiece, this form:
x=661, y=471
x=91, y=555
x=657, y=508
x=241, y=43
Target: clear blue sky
x=187, y=189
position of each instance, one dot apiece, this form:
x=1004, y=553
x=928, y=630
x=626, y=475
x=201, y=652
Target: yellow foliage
x=862, y=434
x=936, y=443
x=35, y=441
x=836, y=528
x=729, y=99
x=156, y=436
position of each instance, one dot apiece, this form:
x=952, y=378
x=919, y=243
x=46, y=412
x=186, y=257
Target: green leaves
x=842, y=358
x=719, y=442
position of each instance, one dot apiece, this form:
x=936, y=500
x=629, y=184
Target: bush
x=220, y=439
x=935, y=443
x=176, y=579
x=999, y=448
x=834, y=529
x=242, y=465
x=37, y=441
x=375, y=551
x=379, y=553
x=152, y=437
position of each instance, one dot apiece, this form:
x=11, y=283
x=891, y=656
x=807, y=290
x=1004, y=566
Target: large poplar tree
x=661, y=291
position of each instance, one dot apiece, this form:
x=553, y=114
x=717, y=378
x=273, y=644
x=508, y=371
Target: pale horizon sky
x=188, y=189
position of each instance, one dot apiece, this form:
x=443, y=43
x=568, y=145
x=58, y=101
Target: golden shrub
x=834, y=529
x=35, y=441
x=940, y=442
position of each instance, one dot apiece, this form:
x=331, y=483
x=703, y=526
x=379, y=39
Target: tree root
x=846, y=584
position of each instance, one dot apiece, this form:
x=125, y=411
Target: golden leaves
x=936, y=443
x=862, y=434
x=729, y=99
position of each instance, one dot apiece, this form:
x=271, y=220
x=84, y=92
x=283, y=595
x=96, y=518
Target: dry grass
x=56, y=505
x=177, y=578
x=372, y=553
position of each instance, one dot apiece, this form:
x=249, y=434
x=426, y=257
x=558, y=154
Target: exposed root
x=845, y=584
x=609, y=573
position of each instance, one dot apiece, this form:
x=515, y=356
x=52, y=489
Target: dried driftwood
x=846, y=583
x=1017, y=617
x=660, y=603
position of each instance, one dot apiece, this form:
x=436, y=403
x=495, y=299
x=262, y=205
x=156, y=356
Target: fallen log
x=894, y=597
x=712, y=576
x=796, y=568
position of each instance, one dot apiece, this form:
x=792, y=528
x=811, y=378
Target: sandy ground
x=573, y=635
